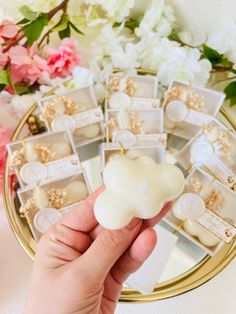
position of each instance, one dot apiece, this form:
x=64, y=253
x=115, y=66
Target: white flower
x=44, y=5
x=173, y=62
x=111, y=46
x=158, y=19
x=125, y=58
x=224, y=41
x=100, y=76
x=116, y=10
x=21, y=104
x=5, y=97
x=47, y=83
x=81, y=77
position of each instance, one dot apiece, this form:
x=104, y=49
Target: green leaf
x=233, y=71
x=63, y=25
x=34, y=29
x=212, y=55
x=21, y=88
x=65, y=33
x=23, y=21
x=116, y=24
x=225, y=62
x=230, y=91
x=28, y=13
x=75, y=28
x=2, y=86
x=131, y=24
x=4, y=78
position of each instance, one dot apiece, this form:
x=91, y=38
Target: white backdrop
x=218, y=295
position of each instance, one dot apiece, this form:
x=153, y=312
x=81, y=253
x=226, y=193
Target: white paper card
x=125, y=137
x=63, y=167
x=145, y=279
x=217, y=225
x=221, y=171
x=144, y=103
x=88, y=117
x=198, y=118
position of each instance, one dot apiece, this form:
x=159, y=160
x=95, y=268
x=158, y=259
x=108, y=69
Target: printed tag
x=198, y=118
x=221, y=171
x=63, y=167
x=130, y=139
x=88, y=117
x=145, y=103
x=217, y=225
x=160, y=138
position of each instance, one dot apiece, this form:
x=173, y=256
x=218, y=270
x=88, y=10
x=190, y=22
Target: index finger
x=81, y=218
x=146, y=224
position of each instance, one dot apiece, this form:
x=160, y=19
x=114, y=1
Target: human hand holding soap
x=136, y=188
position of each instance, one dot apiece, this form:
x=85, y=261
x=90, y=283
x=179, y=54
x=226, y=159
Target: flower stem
x=224, y=80
x=62, y=6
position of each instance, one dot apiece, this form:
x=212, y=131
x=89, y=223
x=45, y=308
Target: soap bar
x=136, y=188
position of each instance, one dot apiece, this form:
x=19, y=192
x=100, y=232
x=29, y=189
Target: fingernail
x=133, y=224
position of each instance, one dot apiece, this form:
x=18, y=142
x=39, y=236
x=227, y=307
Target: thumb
x=107, y=249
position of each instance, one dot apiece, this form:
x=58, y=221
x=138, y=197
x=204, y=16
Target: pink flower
x=5, y=135
x=3, y=56
x=9, y=30
x=63, y=59
x=26, y=64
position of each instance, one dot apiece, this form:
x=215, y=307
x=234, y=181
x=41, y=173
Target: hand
x=80, y=266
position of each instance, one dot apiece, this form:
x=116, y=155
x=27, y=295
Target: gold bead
x=18, y=158
x=195, y=185
x=44, y=152
x=215, y=200
x=56, y=198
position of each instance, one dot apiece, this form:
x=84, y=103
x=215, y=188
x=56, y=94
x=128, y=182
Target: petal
x=19, y=56
x=8, y=29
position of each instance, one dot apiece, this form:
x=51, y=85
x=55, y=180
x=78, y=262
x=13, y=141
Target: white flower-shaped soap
x=136, y=188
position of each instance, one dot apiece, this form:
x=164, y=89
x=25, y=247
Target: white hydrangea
x=116, y=10
x=100, y=74
x=81, y=77
x=224, y=41
x=158, y=19
x=44, y=5
x=20, y=104
x=111, y=46
x=173, y=62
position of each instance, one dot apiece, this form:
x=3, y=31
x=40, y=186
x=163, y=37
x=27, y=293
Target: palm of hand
x=80, y=267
